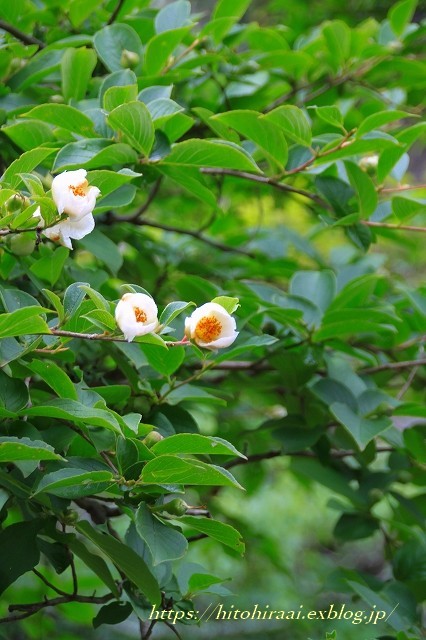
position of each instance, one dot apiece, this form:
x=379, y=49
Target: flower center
x=79, y=189
x=208, y=329
x=140, y=315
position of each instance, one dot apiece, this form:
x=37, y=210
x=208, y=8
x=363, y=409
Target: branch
x=272, y=183
x=116, y=11
x=134, y=216
x=397, y=227
x=404, y=364
x=257, y=457
x=20, y=35
x=30, y=609
x=195, y=234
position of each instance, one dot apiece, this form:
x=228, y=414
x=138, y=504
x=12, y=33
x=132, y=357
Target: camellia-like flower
x=211, y=326
x=136, y=315
x=72, y=194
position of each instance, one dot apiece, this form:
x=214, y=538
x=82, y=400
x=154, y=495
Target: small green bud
x=152, y=438
x=22, y=244
x=15, y=203
x=375, y=495
x=70, y=517
x=405, y=476
x=57, y=98
x=129, y=59
x=176, y=507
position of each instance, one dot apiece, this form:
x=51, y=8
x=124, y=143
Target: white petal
x=222, y=343
x=67, y=229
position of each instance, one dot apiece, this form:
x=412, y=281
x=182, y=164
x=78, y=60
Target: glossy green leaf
x=293, y=122
x=133, y=119
x=168, y=468
x=164, y=542
x=223, y=533
x=125, y=559
x=77, y=66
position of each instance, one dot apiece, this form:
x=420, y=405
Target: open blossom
x=136, y=315
x=70, y=228
x=72, y=194
x=211, y=326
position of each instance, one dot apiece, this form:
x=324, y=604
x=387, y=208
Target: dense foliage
x=277, y=173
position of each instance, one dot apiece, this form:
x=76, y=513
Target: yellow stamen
x=208, y=329
x=80, y=189
x=140, y=315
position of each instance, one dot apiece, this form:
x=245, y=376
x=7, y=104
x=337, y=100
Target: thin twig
x=403, y=364
x=116, y=11
x=397, y=227
x=134, y=216
x=195, y=234
x=32, y=608
x=253, y=177
x=49, y=584
x=20, y=35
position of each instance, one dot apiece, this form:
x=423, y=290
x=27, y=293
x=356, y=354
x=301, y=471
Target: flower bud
x=129, y=59
x=211, y=326
x=152, y=438
x=176, y=507
x=15, y=203
x=22, y=244
x=136, y=315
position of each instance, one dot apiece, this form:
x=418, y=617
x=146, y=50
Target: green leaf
x=19, y=551
x=112, y=613
x=337, y=35
x=164, y=542
x=65, y=409
x=92, y=154
x=364, y=188
x=25, y=164
x=331, y=115
x=110, y=41
x=13, y=449
x=104, y=249
x=164, y=361
x=229, y=304
x=401, y=14
x=77, y=66
x=55, y=377
x=226, y=9
x=95, y=563
x=348, y=321
x=173, y=16
x=377, y=120
x=317, y=286
x=74, y=483
x=194, y=443
x=29, y=134
x=293, y=122
x=25, y=321
x=354, y=526
x=170, y=469
x=50, y=267
x=223, y=533
x=41, y=65
x=363, y=430
x=64, y=116
x=134, y=120
x=208, y=153
x=115, y=96
x=267, y=135
x=173, y=310
x=125, y=559
x=404, y=208
x=13, y=393
x=160, y=48
x=73, y=297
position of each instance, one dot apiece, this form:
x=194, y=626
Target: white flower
x=72, y=195
x=38, y=216
x=369, y=162
x=75, y=228
x=136, y=315
x=211, y=326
